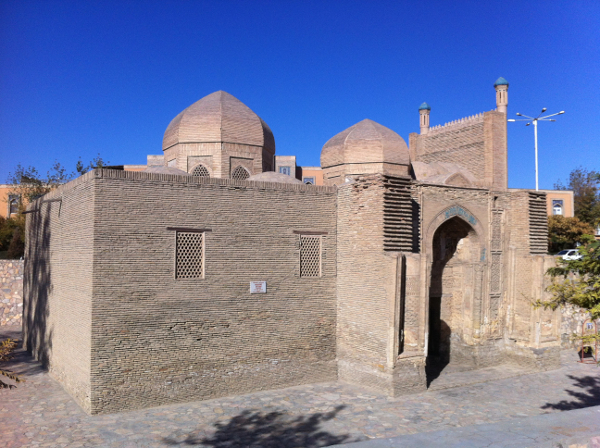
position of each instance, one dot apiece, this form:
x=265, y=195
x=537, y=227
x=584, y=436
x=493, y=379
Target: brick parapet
x=11, y=292
x=477, y=143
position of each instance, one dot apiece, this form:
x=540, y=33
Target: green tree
x=577, y=282
x=96, y=162
x=565, y=233
x=28, y=184
x=9, y=227
x=586, y=194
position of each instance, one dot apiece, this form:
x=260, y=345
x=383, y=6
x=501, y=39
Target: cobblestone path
x=39, y=413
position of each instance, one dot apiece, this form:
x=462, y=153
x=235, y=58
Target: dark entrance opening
x=451, y=250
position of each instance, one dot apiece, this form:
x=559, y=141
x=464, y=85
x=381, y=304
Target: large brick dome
x=219, y=117
x=365, y=142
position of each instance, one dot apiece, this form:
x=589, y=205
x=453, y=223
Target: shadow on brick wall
x=37, y=287
x=275, y=429
x=587, y=395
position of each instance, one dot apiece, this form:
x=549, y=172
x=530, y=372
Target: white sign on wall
x=258, y=287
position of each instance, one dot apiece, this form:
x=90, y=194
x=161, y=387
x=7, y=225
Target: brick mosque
x=208, y=274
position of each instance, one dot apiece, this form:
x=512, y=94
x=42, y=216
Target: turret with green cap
x=424, y=110
x=501, y=82
x=501, y=86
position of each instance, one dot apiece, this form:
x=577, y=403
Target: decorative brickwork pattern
x=496, y=267
x=397, y=215
x=310, y=256
x=11, y=292
x=538, y=224
x=200, y=171
x=240, y=173
x=190, y=255
x=496, y=273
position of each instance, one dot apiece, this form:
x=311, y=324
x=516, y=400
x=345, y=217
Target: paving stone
x=40, y=413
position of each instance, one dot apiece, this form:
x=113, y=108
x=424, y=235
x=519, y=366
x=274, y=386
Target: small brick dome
x=272, y=176
x=219, y=117
x=365, y=142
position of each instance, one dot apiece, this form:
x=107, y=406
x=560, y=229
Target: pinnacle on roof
x=501, y=82
x=424, y=106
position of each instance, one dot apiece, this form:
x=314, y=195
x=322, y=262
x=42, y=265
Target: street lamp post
x=535, y=122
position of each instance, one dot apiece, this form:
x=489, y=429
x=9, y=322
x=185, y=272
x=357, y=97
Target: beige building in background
x=560, y=202
x=212, y=272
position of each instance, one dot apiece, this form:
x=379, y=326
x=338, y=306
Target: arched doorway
x=455, y=250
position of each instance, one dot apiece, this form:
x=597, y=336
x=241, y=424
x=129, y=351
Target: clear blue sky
x=78, y=78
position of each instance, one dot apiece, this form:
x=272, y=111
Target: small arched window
x=200, y=171
x=240, y=173
x=557, y=207
x=13, y=205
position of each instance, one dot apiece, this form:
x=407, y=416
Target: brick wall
x=477, y=143
x=369, y=283
x=58, y=284
x=461, y=142
x=11, y=292
x=158, y=340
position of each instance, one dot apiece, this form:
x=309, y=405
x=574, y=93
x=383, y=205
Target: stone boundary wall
x=571, y=325
x=11, y=292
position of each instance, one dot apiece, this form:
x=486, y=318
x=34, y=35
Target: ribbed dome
x=272, y=176
x=219, y=117
x=365, y=142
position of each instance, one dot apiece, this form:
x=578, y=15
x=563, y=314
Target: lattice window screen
x=310, y=256
x=200, y=171
x=240, y=173
x=189, y=259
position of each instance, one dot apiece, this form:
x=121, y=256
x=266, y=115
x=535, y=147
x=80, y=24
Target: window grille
x=309, y=180
x=189, y=258
x=285, y=170
x=240, y=173
x=310, y=256
x=200, y=171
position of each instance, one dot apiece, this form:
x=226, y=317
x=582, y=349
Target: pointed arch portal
x=455, y=284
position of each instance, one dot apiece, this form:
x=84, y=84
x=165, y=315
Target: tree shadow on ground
x=588, y=395
x=256, y=429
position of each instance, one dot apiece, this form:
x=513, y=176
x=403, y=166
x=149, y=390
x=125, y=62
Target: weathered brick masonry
x=414, y=261
x=11, y=292
x=58, y=284
x=156, y=339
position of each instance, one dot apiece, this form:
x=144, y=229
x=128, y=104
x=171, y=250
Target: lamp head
x=561, y=112
x=527, y=124
x=518, y=114
x=544, y=110
x=511, y=119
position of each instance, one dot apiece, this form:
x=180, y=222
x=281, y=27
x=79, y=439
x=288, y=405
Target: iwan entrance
x=455, y=265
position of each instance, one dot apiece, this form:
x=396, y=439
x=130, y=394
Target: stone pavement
x=39, y=413
x=575, y=429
